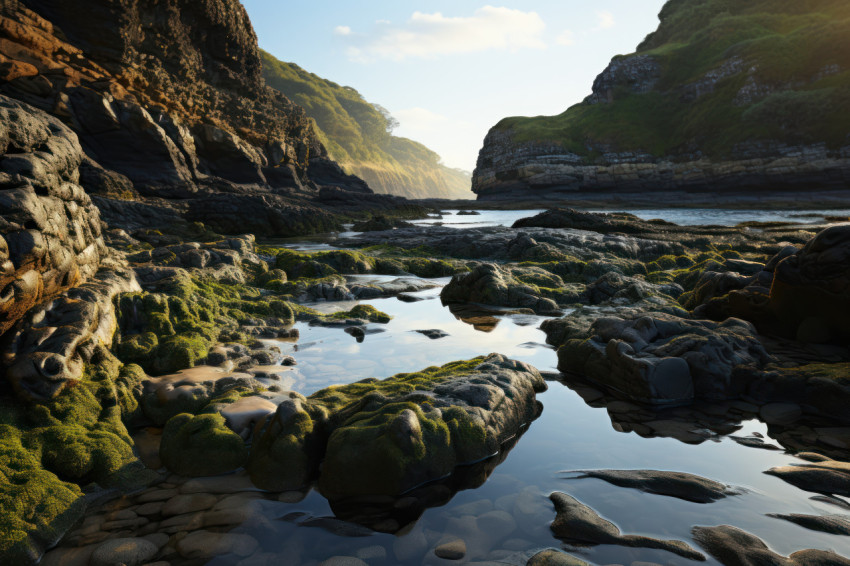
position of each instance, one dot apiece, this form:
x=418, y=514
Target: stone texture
x=50, y=234
x=576, y=522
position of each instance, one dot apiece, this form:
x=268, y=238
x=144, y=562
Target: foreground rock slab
x=819, y=475
x=576, y=522
x=733, y=547
x=672, y=484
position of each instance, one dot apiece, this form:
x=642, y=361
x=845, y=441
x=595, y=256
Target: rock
x=780, y=413
x=617, y=287
x=826, y=476
x=50, y=349
x=433, y=334
x=342, y=561
x=201, y=446
x=490, y=284
x=639, y=357
x=552, y=557
x=833, y=524
x=206, y=544
x=672, y=484
x=814, y=282
x=372, y=553
x=180, y=504
x=482, y=406
x=50, y=233
x=129, y=551
x=733, y=547
x=452, y=550
x=576, y=522
x=498, y=523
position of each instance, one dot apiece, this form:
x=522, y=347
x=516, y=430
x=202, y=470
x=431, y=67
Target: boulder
x=664, y=359
x=492, y=285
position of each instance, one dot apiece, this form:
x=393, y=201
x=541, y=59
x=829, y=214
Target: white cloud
x=567, y=37
x=342, y=30
x=429, y=35
x=606, y=20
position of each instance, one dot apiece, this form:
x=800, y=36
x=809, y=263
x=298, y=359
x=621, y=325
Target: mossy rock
x=48, y=450
x=286, y=454
x=36, y=507
x=201, y=445
x=367, y=312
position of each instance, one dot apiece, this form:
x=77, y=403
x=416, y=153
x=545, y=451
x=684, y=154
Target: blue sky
x=448, y=71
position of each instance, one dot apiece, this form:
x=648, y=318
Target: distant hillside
x=358, y=135
x=720, y=81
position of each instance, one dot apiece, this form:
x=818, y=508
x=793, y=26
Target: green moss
x=48, y=450
x=368, y=312
x=201, y=445
x=35, y=505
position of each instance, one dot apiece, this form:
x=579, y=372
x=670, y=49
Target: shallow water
x=681, y=216
x=569, y=435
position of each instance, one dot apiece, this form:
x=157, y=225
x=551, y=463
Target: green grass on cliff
x=796, y=52
x=358, y=135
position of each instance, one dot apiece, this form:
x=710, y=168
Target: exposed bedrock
x=386, y=437
x=490, y=284
x=164, y=94
x=665, y=359
x=732, y=546
x=51, y=233
x=50, y=348
x=511, y=169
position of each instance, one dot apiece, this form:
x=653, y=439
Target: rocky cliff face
x=168, y=102
x=694, y=110
x=50, y=234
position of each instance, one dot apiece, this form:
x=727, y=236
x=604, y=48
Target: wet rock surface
x=580, y=524
x=51, y=233
x=672, y=484
x=733, y=547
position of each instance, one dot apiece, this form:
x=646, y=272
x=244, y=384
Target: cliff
x=358, y=135
x=724, y=99
x=171, y=110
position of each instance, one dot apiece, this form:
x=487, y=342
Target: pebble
x=204, y=544
x=232, y=483
x=191, y=503
x=452, y=550
x=128, y=551
x=552, y=557
x=372, y=553
x=498, y=524
x=343, y=561
x=152, y=508
x=155, y=495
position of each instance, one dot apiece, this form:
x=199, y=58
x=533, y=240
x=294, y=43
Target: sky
x=450, y=70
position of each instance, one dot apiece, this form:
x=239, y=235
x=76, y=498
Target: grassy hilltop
x=358, y=135
x=724, y=72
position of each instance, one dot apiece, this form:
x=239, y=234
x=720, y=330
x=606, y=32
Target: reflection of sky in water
x=569, y=435
x=327, y=356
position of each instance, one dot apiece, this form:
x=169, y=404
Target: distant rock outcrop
x=702, y=108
